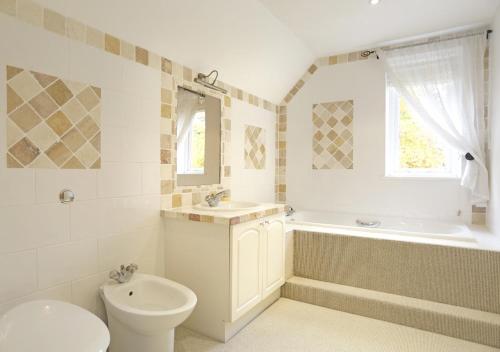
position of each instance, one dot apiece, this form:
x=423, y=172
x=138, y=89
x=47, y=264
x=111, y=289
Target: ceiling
x=338, y=26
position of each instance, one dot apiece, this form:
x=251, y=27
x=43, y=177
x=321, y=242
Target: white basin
x=227, y=206
x=143, y=313
x=52, y=326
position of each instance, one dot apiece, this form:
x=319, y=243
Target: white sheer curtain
x=443, y=82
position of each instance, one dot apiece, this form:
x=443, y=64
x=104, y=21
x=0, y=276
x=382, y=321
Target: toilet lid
x=52, y=326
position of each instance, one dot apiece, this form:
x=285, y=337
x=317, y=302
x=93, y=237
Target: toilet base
x=123, y=339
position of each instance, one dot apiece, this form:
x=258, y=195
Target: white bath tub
x=416, y=230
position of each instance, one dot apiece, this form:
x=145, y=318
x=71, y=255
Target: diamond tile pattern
x=333, y=135
x=255, y=148
x=52, y=123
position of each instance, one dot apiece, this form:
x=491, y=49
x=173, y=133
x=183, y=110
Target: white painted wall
x=250, y=47
x=58, y=251
x=364, y=189
x=493, y=216
x=251, y=184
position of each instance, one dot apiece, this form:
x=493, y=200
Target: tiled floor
x=293, y=326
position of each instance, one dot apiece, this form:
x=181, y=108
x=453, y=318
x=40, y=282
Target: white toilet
x=143, y=313
x=52, y=326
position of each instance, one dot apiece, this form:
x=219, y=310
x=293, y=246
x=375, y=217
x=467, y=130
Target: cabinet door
x=246, y=267
x=274, y=255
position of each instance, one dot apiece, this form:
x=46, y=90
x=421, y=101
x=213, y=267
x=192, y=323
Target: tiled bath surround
x=65, y=251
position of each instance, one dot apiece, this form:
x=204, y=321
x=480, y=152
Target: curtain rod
x=430, y=41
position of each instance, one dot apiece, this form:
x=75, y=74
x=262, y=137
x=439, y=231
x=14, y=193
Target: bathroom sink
x=228, y=206
x=143, y=312
x=52, y=326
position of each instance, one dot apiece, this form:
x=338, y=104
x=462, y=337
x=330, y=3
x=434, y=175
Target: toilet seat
x=52, y=326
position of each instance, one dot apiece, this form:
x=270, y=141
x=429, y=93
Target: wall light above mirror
x=198, y=138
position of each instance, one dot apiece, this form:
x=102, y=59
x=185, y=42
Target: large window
x=412, y=150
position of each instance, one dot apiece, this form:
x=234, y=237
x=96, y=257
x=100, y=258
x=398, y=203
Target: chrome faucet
x=213, y=199
x=124, y=274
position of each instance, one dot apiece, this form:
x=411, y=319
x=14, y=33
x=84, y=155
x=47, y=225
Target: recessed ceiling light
x=374, y=2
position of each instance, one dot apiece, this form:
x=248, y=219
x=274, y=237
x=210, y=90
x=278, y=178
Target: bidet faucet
x=124, y=274
x=213, y=199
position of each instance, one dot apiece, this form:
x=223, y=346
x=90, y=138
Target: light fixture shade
x=374, y=2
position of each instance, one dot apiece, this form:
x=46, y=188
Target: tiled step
x=463, y=323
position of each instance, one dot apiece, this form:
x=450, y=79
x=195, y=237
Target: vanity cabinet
x=257, y=263
x=235, y=270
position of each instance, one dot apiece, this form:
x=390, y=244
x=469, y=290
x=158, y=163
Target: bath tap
x=289, y=211
x=124, y=274
x=214, y=199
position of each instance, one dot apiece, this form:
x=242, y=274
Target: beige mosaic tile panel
x=333, y=135
x=52, y=123
x=255, y=148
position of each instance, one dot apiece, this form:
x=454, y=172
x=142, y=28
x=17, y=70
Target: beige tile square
x=74, y=110
x=166, y=65
x=59, y=92
x=14, y=134
x=13, y=100
x=112, y=44
x=54, y=21
x=43, y=162
x=59, y=123
x=141, y=55
x=25, y=118
x=25, y=85
x=154, y=61
x=88, y=127
x=12, y=163
x=73, y=139
x=87, y=155
x=8, y=7
x=12, y=71
x=75, y=30
x=95, y=37
x=42, y=136
x=43, y=105
x=58, y=153
x=43, y=79
x=88, y=98
x=30, y=12
x=96, y=142
x=73, y=163
x=24, y=151
x=127, y=50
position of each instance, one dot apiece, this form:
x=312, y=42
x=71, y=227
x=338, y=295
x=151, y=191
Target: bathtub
x=397, y=228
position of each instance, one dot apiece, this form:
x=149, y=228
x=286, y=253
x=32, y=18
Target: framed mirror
x=198, y=138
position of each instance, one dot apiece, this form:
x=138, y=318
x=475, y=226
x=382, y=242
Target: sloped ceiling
x=264, y=46
x=250, y=47
x=338, y=26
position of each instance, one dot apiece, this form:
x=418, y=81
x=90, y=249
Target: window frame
x=393, y=143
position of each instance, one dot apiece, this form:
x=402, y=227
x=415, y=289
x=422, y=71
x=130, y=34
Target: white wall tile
x=59, y=293
x=17, y=186
x=85, y=292
x=18, y=275
x=126, y=248
x=66, y=262
x=26, y=227
x=84, y=219
x=50, y=182
x=94, y=66
x=151, y=178
x=119, y=180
